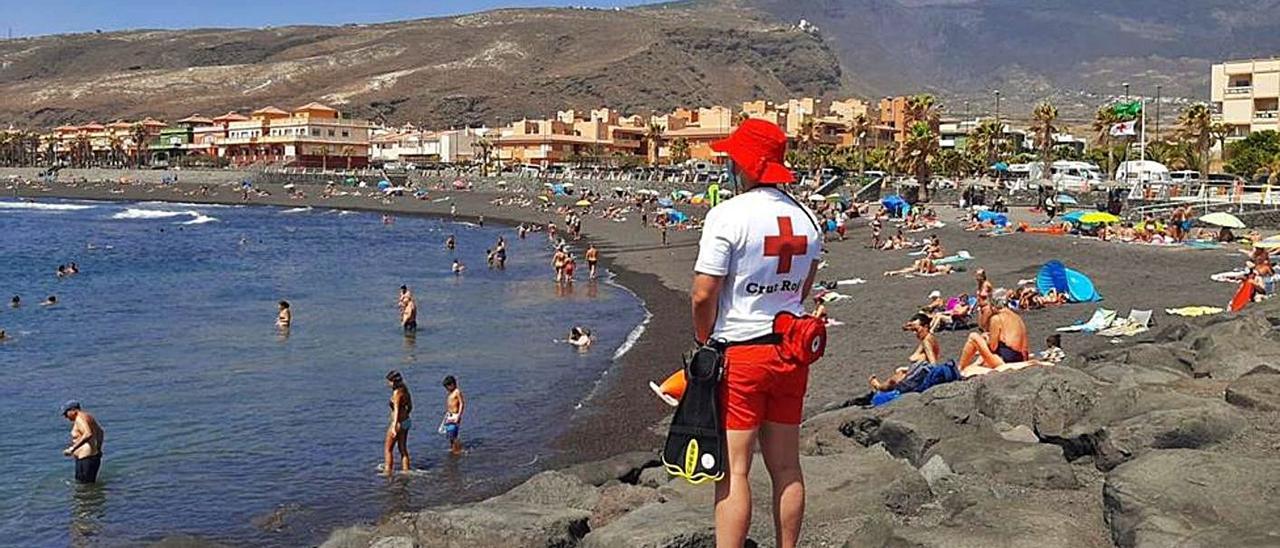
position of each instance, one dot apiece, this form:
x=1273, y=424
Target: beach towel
x=1230, y=276
x=1193, y=311
x=1197, y=244
x=852, y=281
x=828, y=297
x=1139, y=321
x=1101, y=319
x=960, y=256
x=1243, y=296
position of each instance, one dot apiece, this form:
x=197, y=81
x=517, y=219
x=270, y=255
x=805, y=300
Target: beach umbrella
x=1066, y=199
x=833, y=197
x=1000, y=166
x=815, y=197
x=583, y=203
x=289, y=186
x=1074, y=216
x=547, y=185
x=544, y=198
x=502, y=183
x=1223, y=219
x=1098, y=217
x=384, y=184
x=665, y=202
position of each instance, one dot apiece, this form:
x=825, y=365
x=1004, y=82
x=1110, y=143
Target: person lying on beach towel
x=921, y=267
x=1004, y=342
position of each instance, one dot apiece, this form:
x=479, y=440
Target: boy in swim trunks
x=454, y=405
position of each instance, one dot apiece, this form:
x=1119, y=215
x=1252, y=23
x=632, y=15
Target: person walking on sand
x=455, y=404
x=593, y=257
x=761, y=238
x=86, y=442
x=398, y=431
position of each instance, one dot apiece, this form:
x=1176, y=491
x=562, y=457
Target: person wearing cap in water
x=756, y=260
x=86, y=442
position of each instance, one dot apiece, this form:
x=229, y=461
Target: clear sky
x=36, y=17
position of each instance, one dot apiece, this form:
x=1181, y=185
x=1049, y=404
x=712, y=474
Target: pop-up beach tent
x=1056, y=276
x=896, y=205
x=998, y=219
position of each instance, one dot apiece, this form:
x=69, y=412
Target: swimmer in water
x=52, y=300
x=62, y=271
x=73, y=269
x=458, y=267
x=3, y=335
x=454, y=405
x=285, y=318
x=86, y=442
x=405, y=297
x=15, y=302
x=398, y=431
x=580, y=337
x=451, y=243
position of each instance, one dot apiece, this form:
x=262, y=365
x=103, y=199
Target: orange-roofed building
x=313, y=135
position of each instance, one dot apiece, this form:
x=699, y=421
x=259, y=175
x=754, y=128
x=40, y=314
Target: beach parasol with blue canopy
x=1066, y=199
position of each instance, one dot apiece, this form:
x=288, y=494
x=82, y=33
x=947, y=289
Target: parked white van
x=1142, y=171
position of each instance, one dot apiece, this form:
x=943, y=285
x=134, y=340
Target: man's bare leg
x=733, y=493
x=977, y=344
x=780, y=445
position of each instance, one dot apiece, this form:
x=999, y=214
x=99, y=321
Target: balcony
x=1266, y=115
x=1239, y=90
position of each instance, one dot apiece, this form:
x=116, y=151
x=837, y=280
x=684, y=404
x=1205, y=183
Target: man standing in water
x=756, y=259
x=408, y=311
x=593, y=257
x=453, y=407
x=86, y=442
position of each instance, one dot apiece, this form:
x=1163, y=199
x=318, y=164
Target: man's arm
x=462, y=406
x=705, y=297
x=994, y=328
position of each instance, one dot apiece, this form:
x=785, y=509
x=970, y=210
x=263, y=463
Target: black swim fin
x=695, y=447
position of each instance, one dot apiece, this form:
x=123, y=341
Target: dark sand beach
x=623, y=417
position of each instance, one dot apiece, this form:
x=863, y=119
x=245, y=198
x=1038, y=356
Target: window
x=315, y=132
x=331, y=133
x=346, y=133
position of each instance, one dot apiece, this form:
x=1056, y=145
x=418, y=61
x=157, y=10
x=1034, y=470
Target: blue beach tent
x=896, y=205
x=999, y=219
x=1056, y=276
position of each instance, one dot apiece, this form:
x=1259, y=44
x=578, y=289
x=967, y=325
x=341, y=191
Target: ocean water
x=219, y=426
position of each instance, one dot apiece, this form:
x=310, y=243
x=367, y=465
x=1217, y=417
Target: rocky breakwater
x=1168, y=442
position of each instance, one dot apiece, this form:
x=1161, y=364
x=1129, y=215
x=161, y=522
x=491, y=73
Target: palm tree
x=984, y=142
x=1220, y=131
x=1274, y=167
x=323, y=151
x=1042, y=119
x=139, y=135
x=485, y=146
x=860, y=126
x=1195, y=127
x=679, y=150
x=653, y=140
x=922, y=107
x=916, y=152
x=1103, y=119
x=347, y=152
x=880, y=159
x=81, y=149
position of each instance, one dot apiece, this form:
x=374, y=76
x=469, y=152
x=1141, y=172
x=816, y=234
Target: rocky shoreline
x=1157, y=441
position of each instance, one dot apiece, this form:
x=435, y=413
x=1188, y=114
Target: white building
x=424, y=147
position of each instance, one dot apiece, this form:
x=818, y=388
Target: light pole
x=999, y=133
x=1127, y=144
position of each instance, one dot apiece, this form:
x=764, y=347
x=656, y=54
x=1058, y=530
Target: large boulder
x=1230, y=349
x=499, y=523
x=553, y=489
x=1258, y=390
x=625, y=468
x=1185, y=497
x=616, y=500
x=674, y=524
x=1132, y=420
x=1151, y=362
x=905, y=427
x=1048, y=399
x=990, y=456
x=1001, y=523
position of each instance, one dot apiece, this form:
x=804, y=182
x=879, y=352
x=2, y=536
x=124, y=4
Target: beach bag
x=803, y=338
x=695, y=448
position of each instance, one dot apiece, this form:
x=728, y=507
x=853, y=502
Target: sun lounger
x=1102, y=319
x=1138, y=321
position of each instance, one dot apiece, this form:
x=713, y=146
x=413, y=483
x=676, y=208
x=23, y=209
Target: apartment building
x=1245, y=95
x=312, y=135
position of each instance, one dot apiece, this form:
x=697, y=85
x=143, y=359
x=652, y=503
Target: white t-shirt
x=763, y=244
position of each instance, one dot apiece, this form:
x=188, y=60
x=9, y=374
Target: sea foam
x=44, y=207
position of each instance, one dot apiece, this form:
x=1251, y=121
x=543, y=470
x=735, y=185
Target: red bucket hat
x=758, y=147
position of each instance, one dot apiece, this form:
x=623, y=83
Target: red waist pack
x=804, y=338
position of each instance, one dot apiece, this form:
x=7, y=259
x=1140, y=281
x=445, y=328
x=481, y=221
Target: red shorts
x=760, y=386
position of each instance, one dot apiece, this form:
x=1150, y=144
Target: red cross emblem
x=785, y=245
